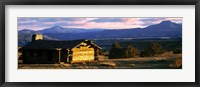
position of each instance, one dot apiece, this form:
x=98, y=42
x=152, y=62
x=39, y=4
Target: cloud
x=32, y=27
x=81, y=21
x=106, y=25
x=131, y=20
x=176, y=20
x=38, y=23
x=99, y=20
x=26, y=22
x=150, y=21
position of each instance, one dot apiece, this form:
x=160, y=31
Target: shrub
x=153, y=50
x=118, y=52
x=178, y=51
x=129, y=52
x=177, y=63
x=167, y=54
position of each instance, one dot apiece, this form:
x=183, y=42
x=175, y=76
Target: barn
x=40, y=51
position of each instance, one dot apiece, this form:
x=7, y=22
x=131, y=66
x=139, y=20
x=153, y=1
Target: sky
x=40, y=23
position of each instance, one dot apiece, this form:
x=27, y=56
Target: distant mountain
x=25, y=35
x=55, y=29
x=58, y=29
x=25, y=31
x=165, y=25
x=163, y=29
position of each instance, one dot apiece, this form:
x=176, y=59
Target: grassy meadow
x=170, y=58
x=162, y=62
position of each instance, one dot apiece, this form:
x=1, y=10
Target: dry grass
x=167, y=54
x=20, y=61
x=177, y=63
x=111, y=64
x=172, y=62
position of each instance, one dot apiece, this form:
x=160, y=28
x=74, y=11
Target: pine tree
x=115, y=51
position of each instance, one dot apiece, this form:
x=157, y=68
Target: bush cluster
x=117, y=51
x=154, y=49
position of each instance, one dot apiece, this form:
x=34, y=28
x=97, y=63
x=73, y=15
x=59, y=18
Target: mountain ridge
x=162, y=29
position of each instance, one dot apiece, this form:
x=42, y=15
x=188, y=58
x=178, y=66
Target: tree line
x=154, y=49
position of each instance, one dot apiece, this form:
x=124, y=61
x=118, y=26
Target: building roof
x=52, y=44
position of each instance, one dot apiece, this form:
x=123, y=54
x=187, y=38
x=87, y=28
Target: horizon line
x=97, y=28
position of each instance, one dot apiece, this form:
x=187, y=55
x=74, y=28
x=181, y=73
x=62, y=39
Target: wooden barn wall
x=40, y=56
x=82, y=54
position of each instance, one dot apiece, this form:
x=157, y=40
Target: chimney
x=37, y=37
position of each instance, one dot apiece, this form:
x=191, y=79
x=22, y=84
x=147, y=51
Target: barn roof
x=52, y=44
